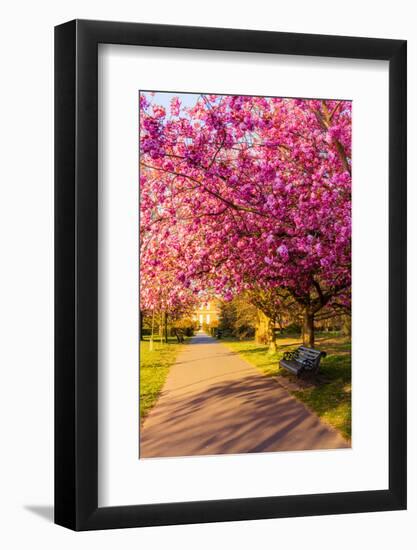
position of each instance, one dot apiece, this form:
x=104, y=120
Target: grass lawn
x=330, y=395
x=154, y=367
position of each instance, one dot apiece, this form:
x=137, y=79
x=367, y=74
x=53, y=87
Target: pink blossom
x=226, y=182
x=282, y=251
x=175, y=106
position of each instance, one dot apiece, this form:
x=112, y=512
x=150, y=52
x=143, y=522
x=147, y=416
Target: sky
x=164, y=99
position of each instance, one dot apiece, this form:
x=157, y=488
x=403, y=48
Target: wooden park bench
x=302, y=360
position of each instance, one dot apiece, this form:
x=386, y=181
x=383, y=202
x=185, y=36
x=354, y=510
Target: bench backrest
x=308, y=356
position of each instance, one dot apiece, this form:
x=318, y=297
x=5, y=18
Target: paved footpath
x=214, y=402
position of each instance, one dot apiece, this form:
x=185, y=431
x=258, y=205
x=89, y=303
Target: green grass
x=154, y=367
x=330, y=394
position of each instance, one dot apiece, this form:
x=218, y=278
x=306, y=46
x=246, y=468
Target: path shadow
x=247, y=415
x=203, y=339
x=205, y=380
x=45, y=512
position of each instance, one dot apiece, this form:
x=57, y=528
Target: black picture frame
x=76, y=273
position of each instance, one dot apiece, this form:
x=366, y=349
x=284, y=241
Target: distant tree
x=227, y=317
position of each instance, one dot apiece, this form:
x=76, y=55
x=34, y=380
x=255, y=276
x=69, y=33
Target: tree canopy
x=242, y=193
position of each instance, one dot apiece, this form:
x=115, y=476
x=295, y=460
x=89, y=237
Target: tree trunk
x=151, y=338
x=261, y=328
x=161, y=315
x=308, y=329
x=166, y=327
x=271, y=336
x=281, y=324
x=140, y=325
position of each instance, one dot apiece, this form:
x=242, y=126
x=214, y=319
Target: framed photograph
x=230, y=253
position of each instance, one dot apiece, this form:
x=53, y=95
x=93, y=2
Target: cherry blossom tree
x=240, y=193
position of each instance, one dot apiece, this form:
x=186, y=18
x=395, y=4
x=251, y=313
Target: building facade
x=207, y=313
